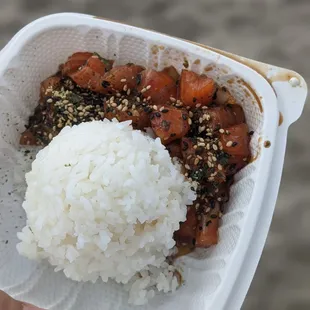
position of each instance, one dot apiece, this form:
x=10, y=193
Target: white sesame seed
x=190, y=113
x=221, y=130
x=198, y=105
x=200, y=120
x=155, y=107
x=120, y=107
x=209, y=164
x=201, y=128
x=118, y=95
x=215, y=148
x=128, y=92
x=125, y=87
x=133, y=106
x=148, y=98
x=148, y=87
x=113, y=104
x=196, y=161
x=123, y=80
x=214, y=158
x=138, y=99
x=189, y=121
x=172, y=99
x=220, y=167
x=112, y=99
x=49, y=100
x=50, y=136
x=187, y=167
x=143, y=90
x=70, y=110
x=124, y=109
x=229, y=144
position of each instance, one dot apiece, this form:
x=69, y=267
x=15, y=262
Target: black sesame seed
x=234, y=144
x=152, y=116
x=208, y=223
x=184, y=116
x=173, y=135
x=251, y=133
x=105, y=84
x=194, y=99
x=194, y=241
x=184, y=146
x=139, y=77
x=129, y=113
x=213, y=216
x=164, y=111
x=157, y=114
x=200, y=227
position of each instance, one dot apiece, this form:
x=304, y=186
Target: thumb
x=8, y=303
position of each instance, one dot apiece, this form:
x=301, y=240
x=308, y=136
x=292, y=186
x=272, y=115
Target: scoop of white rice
x=103, y=200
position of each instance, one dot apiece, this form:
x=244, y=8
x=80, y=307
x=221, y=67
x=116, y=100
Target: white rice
x=103, y=201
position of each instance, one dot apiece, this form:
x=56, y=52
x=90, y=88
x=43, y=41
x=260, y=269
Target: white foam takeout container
x=216, y=278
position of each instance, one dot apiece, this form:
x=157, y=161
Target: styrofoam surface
x=34, y=54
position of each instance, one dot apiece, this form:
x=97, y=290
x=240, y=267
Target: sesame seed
x=195, y=147
x=120, y=107
x=133, y=106
x=234, y=144
x=221, y=130
x=196, y=161
x=148, y=98
x=220, y=167
x=125, y=87
x=215, y=148
x=190, y=113
x=50, y=136
x=187, y=167
x=209, y=164
x=155, y=107
x=189, y=121
x=128, y=92
x=208, y=146
x=229, y=144
x=49, y=100
x=124, y=109
x=214, y=158
x=70, y=110
x=114, y=105
x=148, y=87
x=143, y=90
x=138, y=99
x=123, y=80
x=118, y=95
x=199, y=157
x=172, y=99
x=200, y=120
x=201, y=128
x=112, y=99
x=198, y=105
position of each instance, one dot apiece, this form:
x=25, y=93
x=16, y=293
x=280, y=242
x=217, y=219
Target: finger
x=8, y=303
